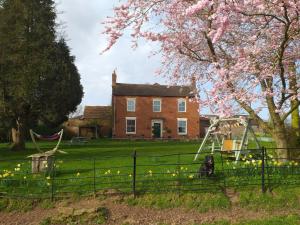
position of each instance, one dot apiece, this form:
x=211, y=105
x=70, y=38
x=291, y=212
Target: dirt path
x=124, y=214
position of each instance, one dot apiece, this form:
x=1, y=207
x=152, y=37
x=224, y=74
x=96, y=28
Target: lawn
x=108, y=166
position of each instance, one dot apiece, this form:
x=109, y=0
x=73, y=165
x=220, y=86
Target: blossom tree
x=243, y=53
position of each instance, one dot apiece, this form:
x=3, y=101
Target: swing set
x=220, y=135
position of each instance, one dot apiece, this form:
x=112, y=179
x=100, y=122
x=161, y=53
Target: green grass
x=107, y=166
x=273, y=220
x=202, y=202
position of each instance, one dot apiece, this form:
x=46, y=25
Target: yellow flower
x=150, y=171
x=168, y=171
x=0, y=176
x=191, y=176
x=296, y=164
x=24, y=177
x=78, y=174
x=18, y=165
x=108, y=171
x=17, y=169
x=118, y=172
x=250, y=156
x=182, y=168
x=12, y=175
x=48, y=178
x=48, y=184
x=174, y=174
x=105, y=173
x=130, y=175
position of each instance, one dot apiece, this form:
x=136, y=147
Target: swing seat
x=230, y=145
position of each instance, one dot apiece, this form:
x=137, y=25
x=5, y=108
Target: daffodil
x=19, y=165
x=130, y=175
x=174, y=174
x=48, y=178
x=191, y=176
x=24, y=177
x=118, y=172
x=78, y=174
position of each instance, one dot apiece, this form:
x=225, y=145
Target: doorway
x=157, y=128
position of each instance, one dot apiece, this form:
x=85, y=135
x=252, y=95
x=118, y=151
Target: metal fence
x=141, y=173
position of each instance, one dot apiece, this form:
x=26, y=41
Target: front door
x=156, y=128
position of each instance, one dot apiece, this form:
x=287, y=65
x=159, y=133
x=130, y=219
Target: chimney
x=114, y=79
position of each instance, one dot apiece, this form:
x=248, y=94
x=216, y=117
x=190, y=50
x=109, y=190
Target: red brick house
x=146, y=111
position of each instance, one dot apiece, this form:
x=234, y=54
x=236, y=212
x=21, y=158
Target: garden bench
x=79, y=140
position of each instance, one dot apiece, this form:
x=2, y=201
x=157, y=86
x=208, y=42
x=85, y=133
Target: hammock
x=56, y=136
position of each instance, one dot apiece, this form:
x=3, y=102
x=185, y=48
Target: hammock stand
x=44, y=161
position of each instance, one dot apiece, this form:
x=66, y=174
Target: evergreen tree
x=28, y=48
x=66, y=90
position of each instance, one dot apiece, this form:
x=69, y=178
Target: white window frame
x=156, y=100
x=130, y=118
x=186, y=126
x=178, y=104
x=134, y=103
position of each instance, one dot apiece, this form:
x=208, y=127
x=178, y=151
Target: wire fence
x=141, y=173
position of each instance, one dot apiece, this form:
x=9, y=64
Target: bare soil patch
x=121, y=213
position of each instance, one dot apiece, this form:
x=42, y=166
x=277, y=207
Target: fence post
x=134, y=175
x=94, y=181
x=52, y=175
x=179, y=173
x=223, y=170
x=263, y=185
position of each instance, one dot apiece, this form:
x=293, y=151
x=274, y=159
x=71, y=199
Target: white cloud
x=82, y=22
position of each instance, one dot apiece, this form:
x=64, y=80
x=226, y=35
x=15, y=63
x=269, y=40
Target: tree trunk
x=294, y=102
x=18, y=137
x=281, y=141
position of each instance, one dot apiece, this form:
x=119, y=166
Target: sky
x=80, y=22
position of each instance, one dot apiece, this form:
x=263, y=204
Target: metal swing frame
x=216, y=122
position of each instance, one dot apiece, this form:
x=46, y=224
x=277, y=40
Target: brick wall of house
x=144, y=115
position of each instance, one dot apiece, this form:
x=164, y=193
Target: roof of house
x=97, y=112
x=121, y=89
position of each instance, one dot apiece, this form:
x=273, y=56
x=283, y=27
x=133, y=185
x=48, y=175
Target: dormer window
x=131, y=105
x=181, y=105
x=156, y=105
